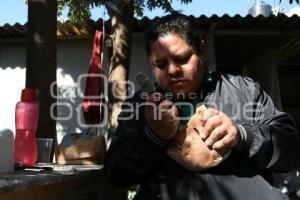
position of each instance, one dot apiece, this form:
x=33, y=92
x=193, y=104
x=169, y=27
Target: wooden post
x=41, y=59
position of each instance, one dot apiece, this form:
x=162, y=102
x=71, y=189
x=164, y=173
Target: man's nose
x=174, y=69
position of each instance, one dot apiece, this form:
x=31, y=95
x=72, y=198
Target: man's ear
x=203, y=50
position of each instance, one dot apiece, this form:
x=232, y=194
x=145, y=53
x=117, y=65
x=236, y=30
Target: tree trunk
x=120, y=61
x=41, y=60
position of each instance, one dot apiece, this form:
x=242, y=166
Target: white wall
x=12, y=81
x=72, y=61
x=139, y=61
x=73, y=57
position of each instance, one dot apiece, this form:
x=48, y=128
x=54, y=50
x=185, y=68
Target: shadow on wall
x=72, y=61
x=13, y=55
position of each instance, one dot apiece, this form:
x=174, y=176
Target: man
x=240, y=124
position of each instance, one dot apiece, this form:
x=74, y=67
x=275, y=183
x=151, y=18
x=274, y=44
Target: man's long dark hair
x=174, y=23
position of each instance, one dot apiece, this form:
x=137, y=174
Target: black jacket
x=270, y=142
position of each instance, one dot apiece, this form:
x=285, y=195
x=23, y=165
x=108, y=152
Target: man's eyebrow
x=184, y=53
x=158, y=60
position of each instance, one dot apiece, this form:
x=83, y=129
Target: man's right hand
x=161, y=116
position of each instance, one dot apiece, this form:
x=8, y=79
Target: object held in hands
x=148, y=87
x=189, y=150
x=145, y=83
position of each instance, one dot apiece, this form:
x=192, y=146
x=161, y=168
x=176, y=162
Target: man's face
x=175, y=64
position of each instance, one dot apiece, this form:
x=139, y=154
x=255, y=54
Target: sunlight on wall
x=68, y=101
x=66, y=86
x=12, y=81
x=66, y=98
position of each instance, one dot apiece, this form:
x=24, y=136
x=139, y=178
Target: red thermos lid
x=28, y=94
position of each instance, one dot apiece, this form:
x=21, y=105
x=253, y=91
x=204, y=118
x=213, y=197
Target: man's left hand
x=221, y=133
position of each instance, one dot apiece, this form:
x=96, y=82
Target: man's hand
x=221, y=132
x=161, y=116
x=189, y=150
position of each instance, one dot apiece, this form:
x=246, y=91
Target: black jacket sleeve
x=133, y=155
x=273, y=140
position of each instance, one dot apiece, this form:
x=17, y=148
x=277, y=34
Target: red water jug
x=26, y=119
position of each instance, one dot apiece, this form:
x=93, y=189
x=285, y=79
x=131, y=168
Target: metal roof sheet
x=225, y=22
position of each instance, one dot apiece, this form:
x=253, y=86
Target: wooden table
x=60, y=182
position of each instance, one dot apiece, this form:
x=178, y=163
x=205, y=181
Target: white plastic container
x=6, y=151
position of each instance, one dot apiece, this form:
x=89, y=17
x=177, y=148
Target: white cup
x=7, y=157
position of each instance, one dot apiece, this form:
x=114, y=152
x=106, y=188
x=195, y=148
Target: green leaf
x=79, y=10
x=291, y=1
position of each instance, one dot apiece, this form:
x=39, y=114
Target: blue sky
x=16, y=10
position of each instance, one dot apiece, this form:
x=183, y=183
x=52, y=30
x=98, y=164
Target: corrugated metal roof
x=236, y=22
x=225, y=22
x=15, y=31
x=65, y=29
